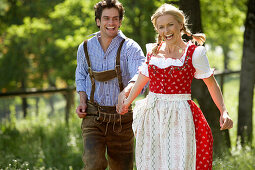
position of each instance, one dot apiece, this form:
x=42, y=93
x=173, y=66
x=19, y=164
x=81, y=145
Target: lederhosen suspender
x=104, y=75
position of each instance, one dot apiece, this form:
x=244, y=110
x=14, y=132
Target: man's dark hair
x=100, y=6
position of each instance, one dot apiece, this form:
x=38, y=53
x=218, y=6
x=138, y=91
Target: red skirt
x=204, y=139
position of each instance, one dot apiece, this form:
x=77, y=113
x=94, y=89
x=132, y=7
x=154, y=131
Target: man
x=107, y=64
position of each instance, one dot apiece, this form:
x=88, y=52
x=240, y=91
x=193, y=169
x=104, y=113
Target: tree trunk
x=5, y=108
x=52, y=104
x=24, y=99
x=226, y=61
x=37, y=106
x=52, y=83
x=247, y=78
x=199, y=90
x=69, y=96
x=226, y=56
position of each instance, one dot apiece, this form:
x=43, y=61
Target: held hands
x=81, y=110
x=122, y=106
x=225, y=121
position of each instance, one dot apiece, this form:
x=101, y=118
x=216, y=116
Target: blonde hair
x=180, y=17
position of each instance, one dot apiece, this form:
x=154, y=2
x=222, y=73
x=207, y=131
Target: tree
x=137, y=23
x=71, y=23
x=18, y=66
x=221, y=22
x=247, y=79
x=221, y=138
x=13, y=12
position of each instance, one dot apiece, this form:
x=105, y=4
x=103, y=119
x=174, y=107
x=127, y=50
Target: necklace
x=180, y=49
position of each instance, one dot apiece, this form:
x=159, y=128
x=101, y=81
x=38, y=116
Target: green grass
x=240, y=159
x=41, y=142
x=231, y=95
x=45, y=142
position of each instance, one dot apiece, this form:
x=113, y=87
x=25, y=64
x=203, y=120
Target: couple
x=171, y=131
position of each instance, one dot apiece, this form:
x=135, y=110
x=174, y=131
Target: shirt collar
x=120, y=34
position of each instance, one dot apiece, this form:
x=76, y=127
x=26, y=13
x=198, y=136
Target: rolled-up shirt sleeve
x=81, y=70
x=201, y=63
x=135, y=59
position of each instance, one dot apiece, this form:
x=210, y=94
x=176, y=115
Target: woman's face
x=169, y=28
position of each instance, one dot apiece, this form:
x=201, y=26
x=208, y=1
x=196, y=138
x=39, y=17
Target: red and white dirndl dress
x=171, y=131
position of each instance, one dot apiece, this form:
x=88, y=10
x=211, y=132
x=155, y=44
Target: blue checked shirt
x=106, y=93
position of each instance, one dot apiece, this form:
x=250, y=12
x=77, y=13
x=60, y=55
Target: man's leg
x=94, y=144
x=120, y=147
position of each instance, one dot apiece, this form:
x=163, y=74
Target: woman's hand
x=225, y=121
x=122, y=106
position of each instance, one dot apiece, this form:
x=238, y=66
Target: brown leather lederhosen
x=104, y=129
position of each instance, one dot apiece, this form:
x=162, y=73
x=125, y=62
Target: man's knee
x=121, y=161
x=94, y=162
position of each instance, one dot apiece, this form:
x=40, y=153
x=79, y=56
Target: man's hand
x=225, y=121
x=81, y=110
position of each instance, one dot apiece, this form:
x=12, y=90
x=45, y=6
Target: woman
x=171, y=131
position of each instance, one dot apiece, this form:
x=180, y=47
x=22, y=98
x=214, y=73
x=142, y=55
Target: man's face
x=109, y=23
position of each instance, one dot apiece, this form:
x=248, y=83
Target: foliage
x=223, y=25
x=240, y=158
x=40, y=142
x=45, y=142
x=45, y=47
x=137, y=23
x=45, y=40
x=222, y=21
x=21, y=59
x=12, y=12
x=51, y=144
x=71, y=21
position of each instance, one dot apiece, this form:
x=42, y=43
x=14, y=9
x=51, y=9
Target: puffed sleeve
x=201, y=63
x=143, y=69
